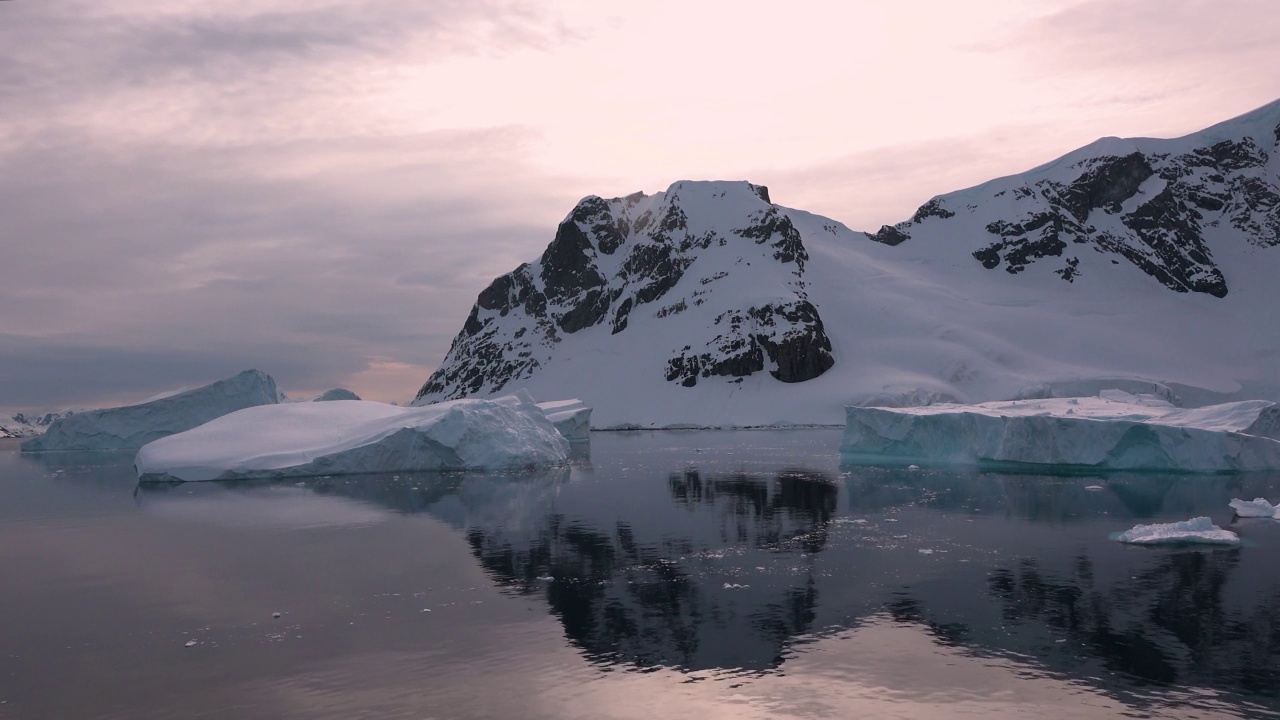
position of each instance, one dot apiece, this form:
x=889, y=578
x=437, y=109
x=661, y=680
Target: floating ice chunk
x=1116, y=431
x=1195, y=530
x=571, y=417
x=1256, y=508
x=356, y=436
x=190, y=643
x=133, y=426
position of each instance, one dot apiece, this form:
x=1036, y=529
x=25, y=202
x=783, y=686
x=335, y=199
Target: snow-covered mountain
x=23, y=425
x=1142, y=264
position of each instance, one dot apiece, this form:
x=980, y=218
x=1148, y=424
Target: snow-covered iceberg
x=1196, y=530
x=1255, y=508
x=131, y=427
x=1114, y=431
x=571, y=417
x=356, y=436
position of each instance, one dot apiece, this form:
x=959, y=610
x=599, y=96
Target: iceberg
x=131, y=427
x=1256, y=508
x=571, y=417
x=1196, y=530
x=1113, y=431
x=358, y=436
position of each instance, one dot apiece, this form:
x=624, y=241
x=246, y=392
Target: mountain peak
x=1147, y=202
x=1139, y=264
x=736, y=258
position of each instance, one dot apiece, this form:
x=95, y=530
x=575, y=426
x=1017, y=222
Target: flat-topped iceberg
x=356, y=436
x=571, y=417
x=1114, y=431
x=1255, y=508
x=131, y=427
x=1196, y=530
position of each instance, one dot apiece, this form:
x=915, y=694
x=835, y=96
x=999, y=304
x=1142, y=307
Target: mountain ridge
x=708, y=304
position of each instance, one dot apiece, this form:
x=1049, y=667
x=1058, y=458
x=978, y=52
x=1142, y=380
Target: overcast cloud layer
x=319, y=189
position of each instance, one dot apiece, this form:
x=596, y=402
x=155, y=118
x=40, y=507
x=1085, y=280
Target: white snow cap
x=355, y=436
x=1196, y=530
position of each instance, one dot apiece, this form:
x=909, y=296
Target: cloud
x=319, y=188
x=214, y=262
x=885, y=185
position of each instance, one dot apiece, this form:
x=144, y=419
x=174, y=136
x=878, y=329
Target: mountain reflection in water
x=736, y=570
x=733, y=554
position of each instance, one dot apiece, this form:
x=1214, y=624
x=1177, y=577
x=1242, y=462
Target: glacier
x=1199, y=530
x=132, y=426
x=357, y=436
x=1114, y=431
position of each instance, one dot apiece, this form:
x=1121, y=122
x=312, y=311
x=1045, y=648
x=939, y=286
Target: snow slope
x=133, y=426
x=1116, y=431
x=1145, y=265
x=356, y=436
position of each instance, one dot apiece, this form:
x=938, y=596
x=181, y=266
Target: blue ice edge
x=1021, y=468
x=1186, y=544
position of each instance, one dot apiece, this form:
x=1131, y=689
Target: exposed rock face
x=1147, y=202
x=615, y=261
x=23, y=425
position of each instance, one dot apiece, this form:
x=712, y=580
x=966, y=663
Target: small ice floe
x=275, y=615
x=1255, y=508
x=190, y=643
x=735, y=586
x=546, y=578
x=1093, y=488
x=1195, y=530
x=925, y=551
x=913, y=467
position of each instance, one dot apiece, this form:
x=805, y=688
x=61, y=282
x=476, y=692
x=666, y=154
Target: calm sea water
x=698, y=574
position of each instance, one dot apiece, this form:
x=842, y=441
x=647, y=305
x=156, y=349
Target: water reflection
x=709, y=567
x=630, y=593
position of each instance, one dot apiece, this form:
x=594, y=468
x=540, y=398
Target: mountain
x=22, y=425
x=1145, y=265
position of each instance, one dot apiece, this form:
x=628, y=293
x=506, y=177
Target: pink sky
x=319, y=189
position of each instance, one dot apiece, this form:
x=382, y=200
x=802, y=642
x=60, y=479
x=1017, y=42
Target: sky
x=319, y=188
